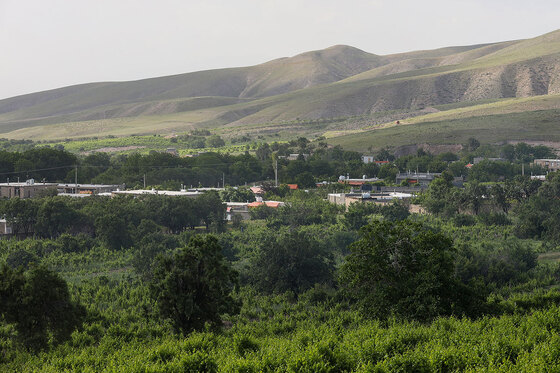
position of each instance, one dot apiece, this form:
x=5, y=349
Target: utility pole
x=276, y=172
x=76, y=180
x=522, y=169
x=223, y=180
x=144, y=181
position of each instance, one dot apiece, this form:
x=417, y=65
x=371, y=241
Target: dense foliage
x=163, y=284
x=192, y=287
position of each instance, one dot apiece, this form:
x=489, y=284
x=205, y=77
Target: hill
x=342, y=85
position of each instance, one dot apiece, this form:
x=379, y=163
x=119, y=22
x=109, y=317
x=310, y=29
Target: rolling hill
x=343, y=86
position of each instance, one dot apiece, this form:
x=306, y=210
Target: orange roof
x=292, y=186
x=469, y=165
x=272, y=204
x=257, y=190
x=356, y=183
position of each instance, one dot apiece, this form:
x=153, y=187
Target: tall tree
x=405, y=270
x=38, y=303
x=193, y=286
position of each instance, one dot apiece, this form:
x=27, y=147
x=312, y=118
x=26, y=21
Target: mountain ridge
x=339, y=81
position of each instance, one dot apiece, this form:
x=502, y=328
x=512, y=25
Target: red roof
x=293, y=186
x=469, y=165
x=272, y=204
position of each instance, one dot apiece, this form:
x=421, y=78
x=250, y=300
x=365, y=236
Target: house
x=477, y=160
x=367, y=159
x=172, y=151
x=272, y=204
x=371, y=159
x=257, y=190
x=418, y=178
x=89, y=189
x=292, y=186
x=170, y=193
x=551, y=164
x=357, y=182
x=27, y=189
x=347, y=199
x=293, y=157
x=237, y=208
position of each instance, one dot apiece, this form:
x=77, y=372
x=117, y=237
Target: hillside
x=338, y=82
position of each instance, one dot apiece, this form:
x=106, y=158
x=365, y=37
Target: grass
x=536, y=125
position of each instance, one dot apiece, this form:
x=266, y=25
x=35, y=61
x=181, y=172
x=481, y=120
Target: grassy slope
x=535, y=118
x=448, y=76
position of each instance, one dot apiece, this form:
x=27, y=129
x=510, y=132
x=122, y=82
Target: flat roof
x=74, y=195
x=156, y=192
x=26, y=184
x=90, y=185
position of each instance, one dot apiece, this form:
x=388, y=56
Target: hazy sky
x=47, y=44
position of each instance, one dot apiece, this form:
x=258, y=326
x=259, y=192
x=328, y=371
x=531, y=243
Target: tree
x=405, y=270
x=38, y=303
x=358, y=215
x=54, y=217
x=290, y=261
x=437, y=198
x=472, y=144
x=193, y=286
x=215, y=141
x=212, y=211
x=20, y=213
x=473, y=195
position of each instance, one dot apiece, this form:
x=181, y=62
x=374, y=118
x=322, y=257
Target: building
x=243, y=208
x=371, y=159
x=293, y=157
x=144, y=192
x=368, y=159
x=27, y=189
x=65, y=189
x=418, y=178
x=357, y=182
x=237, y=208
x=272, y=204
x=172, y=151
x=551, y=164
x=347, y=199
x=257, y=190
x=477, y=160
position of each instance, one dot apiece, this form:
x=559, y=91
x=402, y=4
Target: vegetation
x=193, y=286
x=158, y=283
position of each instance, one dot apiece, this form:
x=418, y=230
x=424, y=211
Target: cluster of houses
x=366, y=190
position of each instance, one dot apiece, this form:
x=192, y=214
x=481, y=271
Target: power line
x=111, y=166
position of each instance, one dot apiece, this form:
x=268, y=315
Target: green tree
x=38, y=303
x=54, y=217
x=405, y=270
x=472, y=144
x=193, y=286
x=215, y=141
x=290, y=261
